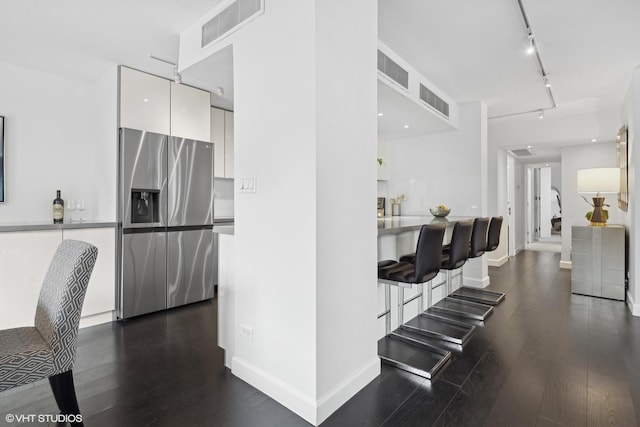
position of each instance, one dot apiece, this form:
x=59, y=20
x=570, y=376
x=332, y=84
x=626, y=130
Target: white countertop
x=402, y=224
x=39, y=225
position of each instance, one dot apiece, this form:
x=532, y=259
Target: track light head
x=541, y=114
x=531, y=49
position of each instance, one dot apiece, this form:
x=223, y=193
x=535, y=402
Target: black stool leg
x=65, y=393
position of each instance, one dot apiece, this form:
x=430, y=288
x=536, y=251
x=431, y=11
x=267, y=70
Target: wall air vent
x=521, y=152
x=392, y=70
x=434, y=100
x=229, y=19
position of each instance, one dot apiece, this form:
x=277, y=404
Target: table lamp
x=598, y=180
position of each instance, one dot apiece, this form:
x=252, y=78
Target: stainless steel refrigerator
x=165, y=222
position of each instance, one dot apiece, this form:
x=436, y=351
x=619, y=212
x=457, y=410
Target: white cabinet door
x=144, y=101
x=24, y=260
x=217, y=137
x=228, y=144
x=100, y=297
x=190, y=112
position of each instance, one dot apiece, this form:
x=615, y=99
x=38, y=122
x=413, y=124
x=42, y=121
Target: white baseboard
x=633, y=307
x=96, y=319
x=344, y=391
x=498, y=262
x=312, y=411
x=477, y=283
x=565, y=264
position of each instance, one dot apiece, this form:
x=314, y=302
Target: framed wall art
x=623, y=163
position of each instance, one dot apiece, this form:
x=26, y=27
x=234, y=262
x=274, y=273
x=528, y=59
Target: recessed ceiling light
x=529, y=146
x=594, y=140
x=380, y=114
x=546, y=164
x=406, y=126
x=541, y=114
x=145, y=100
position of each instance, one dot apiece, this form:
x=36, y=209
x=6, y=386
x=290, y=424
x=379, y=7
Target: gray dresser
x=598, y=261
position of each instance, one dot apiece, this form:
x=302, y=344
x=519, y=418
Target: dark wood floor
x=544, y=358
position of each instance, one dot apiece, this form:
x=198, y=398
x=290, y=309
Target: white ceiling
x=472, y=50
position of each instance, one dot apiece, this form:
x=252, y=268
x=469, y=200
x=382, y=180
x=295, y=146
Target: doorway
x=544, y=207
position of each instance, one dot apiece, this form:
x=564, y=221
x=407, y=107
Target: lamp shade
x=599, y=180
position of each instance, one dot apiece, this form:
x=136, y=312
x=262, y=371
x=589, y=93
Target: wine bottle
x=58, y=209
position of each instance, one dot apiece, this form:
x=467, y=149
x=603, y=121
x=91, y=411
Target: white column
x=305, y=241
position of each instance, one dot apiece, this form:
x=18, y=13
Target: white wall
x=305, y=242
x=518, y=207
x=574, y=208
x=631, y=116
x=447, y=168
x=54, y=139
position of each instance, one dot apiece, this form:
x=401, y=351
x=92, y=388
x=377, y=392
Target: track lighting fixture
x=177, y=77
x=541, y=114
x=531, y=49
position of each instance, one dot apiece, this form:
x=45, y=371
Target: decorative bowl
x=439, y=212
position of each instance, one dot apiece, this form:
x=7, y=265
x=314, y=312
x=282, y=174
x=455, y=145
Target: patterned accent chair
x=47, y=350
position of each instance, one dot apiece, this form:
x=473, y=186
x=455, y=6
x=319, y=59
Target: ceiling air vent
x=521, y=152
x=392, y=70
x=229, y=19
x=434, y=100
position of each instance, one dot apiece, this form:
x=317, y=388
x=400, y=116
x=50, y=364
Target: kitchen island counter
x=401, y=224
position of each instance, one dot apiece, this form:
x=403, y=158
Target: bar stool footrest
x=483, y=296
x=440, y=328
x=411, y=356
x=461, y=308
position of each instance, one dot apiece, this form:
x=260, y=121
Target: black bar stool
x=457, y=252
x=479, y=244
x=405, y=274
x=395, y=348
x=493, y=237
x=454, y=257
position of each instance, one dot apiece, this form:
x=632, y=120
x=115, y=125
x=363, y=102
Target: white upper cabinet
x=228, y=144
x=222, y=137
x=217, y=137
x=144, y=101
x=190, y=115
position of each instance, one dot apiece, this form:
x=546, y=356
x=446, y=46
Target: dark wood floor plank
x=378, y=400
x=565, y=395
x=609, y=401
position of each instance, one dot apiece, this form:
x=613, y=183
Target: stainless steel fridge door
x=143, y=166
x=190, y=182
x=190, y=266
x=144, y=273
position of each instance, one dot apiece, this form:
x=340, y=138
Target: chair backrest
x=479, y=237
x=429, y=250
x=493, y=237
x=460, y=241
x=61, y=299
